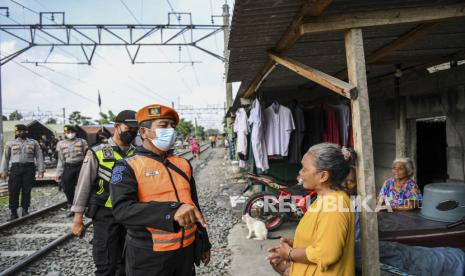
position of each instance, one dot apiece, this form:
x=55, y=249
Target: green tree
x=199, y=132
x=15, y=116
x=4, y=118
x=184, y=127
x=76, y=118
x=51, y=121
x=106, y=118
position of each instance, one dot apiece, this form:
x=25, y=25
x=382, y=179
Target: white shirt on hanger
x=279, y=125
x=241, y=128
x=258, y=136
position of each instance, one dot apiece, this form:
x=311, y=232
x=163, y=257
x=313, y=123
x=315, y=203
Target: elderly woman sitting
x=400, y=191
x=324, y=240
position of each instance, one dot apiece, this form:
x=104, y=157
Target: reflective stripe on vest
x=154, y=184
x=105, y=167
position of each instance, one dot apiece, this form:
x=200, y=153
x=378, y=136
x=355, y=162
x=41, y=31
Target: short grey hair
x=408, y=163
x=328, y=157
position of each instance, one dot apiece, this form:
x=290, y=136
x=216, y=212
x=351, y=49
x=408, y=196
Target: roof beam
x=341, y=22
x=341, y=87
x=407, y=38
x=402, y=41
x=289, y=38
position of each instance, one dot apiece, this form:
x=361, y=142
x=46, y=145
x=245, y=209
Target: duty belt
x=27, y=164
x=73, y=165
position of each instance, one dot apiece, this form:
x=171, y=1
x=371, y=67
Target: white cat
x=256, y=228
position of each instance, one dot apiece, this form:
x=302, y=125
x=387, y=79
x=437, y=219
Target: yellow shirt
x=327, y=232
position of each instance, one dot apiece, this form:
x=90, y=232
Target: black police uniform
x=22, y=153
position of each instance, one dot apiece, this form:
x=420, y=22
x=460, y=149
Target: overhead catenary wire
x=44, y=38
x=214, y=36
x=151, y=90
x=130, y=12
x=96, y=54
x=55, y=83
x=101, y=57
x=187, y=49
x=163, y=53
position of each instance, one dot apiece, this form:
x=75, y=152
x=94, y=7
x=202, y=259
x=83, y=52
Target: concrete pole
x=401, y=131
x=401, y=118
x=229, y=99
x=1, y=115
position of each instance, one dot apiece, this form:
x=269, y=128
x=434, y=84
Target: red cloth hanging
x=331, y=133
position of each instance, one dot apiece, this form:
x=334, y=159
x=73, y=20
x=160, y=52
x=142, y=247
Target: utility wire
x=151, y=90
x=55, y=83
x=130, y=12
x=36, y=12
x=214, y=36
x=187, y=48
x=50, y=69
x=96, y=54
x=44, y=38
x=161, y=51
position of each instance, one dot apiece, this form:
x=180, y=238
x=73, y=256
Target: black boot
x=24, y=212
x=14, y=215
x=69, y=213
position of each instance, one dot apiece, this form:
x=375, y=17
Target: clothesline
x=288, y=131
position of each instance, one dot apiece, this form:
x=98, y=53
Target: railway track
x=29, y=238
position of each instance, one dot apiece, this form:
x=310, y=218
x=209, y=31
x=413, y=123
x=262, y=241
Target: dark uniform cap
x=20, y=127
x=127, y=117
x=103, y=134
x=70, y=128
x=155, y=112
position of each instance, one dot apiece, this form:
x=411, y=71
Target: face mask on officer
x=70, y=135
x=22, y=134
x=165, y=137
x=127, y=136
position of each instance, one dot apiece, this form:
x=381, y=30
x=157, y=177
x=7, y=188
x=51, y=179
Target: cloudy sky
x=48, y=88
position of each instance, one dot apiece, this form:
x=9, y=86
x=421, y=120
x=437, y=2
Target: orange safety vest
x=154, y=183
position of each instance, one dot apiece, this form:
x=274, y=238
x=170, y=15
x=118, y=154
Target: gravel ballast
x=211, y=174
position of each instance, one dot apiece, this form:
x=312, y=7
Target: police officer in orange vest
x=154, y=195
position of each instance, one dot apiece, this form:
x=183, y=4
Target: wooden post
x=361, y=124
x=401, y=120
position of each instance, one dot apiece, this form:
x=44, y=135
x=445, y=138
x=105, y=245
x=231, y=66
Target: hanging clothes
x=258, y=136
x=241, y=129
x=331, y=134
x=351, y=137
x=297, y=136
x=344, y=116
x=279, y=125
x=314, y=127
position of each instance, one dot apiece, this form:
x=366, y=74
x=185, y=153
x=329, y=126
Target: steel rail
x=32, y=215
x=51, y=246
x=38, y=254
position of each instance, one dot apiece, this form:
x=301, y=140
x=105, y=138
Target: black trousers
x=21, y=180
x=69, y=180
x=108, y=243
x=144, y=262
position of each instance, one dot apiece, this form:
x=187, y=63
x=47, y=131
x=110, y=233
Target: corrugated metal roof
x=258, y=25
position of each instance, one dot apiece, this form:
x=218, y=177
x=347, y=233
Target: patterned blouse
x=409, y=191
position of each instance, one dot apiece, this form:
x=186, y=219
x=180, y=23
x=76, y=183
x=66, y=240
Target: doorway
x=431, y=151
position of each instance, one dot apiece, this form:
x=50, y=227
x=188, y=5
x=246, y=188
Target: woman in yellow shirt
x=325, y=237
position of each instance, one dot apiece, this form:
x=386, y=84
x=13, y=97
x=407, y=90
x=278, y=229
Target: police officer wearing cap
x=154, y=196
x=92, y=194
x=71, y=152
x=22, y=152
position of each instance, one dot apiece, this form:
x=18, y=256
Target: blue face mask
x=164, y=139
